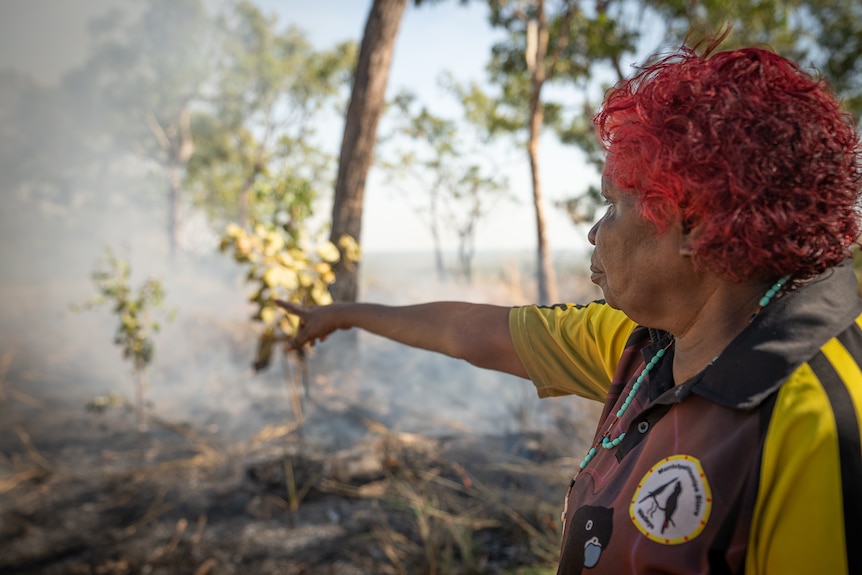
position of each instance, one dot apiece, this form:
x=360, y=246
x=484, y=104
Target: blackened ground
x=85, y=493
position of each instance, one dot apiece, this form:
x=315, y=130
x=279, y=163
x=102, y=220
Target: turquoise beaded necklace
x=609, y=443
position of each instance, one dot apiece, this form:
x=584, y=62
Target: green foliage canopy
x=272, y=91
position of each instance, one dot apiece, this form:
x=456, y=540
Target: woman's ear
x=688, y=234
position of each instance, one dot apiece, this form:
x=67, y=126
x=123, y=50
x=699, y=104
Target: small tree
x=137, y=324
x=283, y=265
x=443, y=159
x=474, y=195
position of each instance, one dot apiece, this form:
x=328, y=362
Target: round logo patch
x=672, y=502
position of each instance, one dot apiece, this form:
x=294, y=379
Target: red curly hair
x=745, y=145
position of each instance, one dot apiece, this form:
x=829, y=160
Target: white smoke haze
x=201, y=374
x=53, y=360
x=80, y=487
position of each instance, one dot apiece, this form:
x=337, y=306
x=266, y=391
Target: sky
x=48, y=37
x=446, y=36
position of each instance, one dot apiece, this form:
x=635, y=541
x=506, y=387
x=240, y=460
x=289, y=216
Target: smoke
x=46, y=38
x=201, y=374
x=54, y=227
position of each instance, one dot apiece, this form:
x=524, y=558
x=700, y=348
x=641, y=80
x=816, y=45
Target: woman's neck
x=723, y=313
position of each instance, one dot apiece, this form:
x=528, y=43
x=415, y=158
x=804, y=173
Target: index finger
x=290, y=306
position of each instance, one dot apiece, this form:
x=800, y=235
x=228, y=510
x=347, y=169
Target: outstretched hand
x=478, y=333
x=315, y=322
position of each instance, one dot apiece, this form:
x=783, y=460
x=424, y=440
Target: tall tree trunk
x=360, y=133
x=177, y=143
x=546, y=279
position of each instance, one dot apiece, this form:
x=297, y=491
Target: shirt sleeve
x=570, y=349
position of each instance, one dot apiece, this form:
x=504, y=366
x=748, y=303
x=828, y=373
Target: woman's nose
x=591, y=235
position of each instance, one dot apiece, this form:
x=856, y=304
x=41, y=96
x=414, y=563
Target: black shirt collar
x=786, y=334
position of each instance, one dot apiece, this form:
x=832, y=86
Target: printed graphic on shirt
x=672, y=502
x=591, y=529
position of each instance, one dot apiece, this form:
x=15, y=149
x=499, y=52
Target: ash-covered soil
x=404, y=462
x=87, y=493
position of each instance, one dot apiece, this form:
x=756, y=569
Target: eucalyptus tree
x=475, y=192
x=544, y=45
x=367, y=103
x=442, y=164
x=260, y=166
x=425, y=168
x=584, y=45
x=151, y=70
x=260, y=125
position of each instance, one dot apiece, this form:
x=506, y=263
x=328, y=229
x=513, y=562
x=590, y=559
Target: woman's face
x=640, y=270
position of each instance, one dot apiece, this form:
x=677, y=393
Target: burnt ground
x=403, y=464
x=88, y=493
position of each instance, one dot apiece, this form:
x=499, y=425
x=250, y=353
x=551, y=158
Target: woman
x=727, y=350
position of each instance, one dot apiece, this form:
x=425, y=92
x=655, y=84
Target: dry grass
x=394, y=503
x=87, y=493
